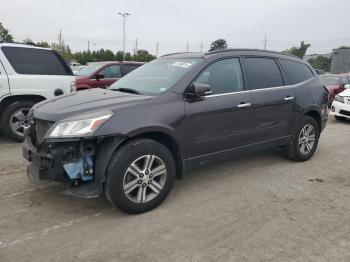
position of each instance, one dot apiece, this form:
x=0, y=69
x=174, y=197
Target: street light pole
x=124, y=15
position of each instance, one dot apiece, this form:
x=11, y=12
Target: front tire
x=14, y=119
x=305, y=140
x=140, y=176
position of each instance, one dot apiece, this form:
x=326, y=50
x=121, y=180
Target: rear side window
x=128, y=68
x=34, y=61
x=262, y=73
x=296, y=72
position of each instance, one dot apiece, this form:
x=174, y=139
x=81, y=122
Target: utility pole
x=88, y=46
x=59, y=37
x=157, y=48
x=187, y=46
x=124, y=15
x=265, y=43
x=136, y=43
x=60, y=47
x=201, y=46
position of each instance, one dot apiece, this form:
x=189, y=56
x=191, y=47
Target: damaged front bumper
x=81, y=163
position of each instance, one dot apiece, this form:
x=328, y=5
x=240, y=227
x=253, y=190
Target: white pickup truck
x=28, y=75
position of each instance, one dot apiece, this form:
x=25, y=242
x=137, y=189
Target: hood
x=346, y=92
x=84, y=102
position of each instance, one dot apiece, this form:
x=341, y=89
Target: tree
x=119, y=56
x=321, y=62
x=105, y=55
x=63, y=49
x=218, y=44
x=109, y=56
x=127, y=56
x=300, y=52
x=43, y=44
x=143, y=56
x=27, y=40
x=5, y=34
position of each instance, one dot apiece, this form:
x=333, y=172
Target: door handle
x=243, y=105
x=289, y=98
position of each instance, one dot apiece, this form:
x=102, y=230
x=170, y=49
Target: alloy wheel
x=144, y=179
x=19, y=120
x=307, y=138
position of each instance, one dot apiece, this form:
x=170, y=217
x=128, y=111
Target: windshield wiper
x=127, y=90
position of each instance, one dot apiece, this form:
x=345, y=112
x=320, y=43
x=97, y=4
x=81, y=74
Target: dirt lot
x=261, y=207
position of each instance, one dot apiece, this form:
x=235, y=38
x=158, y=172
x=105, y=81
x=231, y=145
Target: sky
x=176, y=24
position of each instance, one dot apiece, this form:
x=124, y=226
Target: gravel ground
x=261, y=207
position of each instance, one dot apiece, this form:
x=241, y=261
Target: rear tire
x=14, y=119
x=140, y=176
x=305, y=140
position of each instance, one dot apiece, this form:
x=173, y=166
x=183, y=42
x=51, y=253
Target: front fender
x=152, y=129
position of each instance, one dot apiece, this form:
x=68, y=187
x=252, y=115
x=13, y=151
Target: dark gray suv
x=174, y=113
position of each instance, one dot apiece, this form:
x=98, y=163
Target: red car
x=103, y=74
x=335, y=84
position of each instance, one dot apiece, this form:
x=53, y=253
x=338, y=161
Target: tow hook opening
x=81, y=168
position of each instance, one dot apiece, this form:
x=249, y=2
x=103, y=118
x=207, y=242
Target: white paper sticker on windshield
x=182, y=64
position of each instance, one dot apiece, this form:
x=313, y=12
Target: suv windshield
x=88, y=70
x=330, y=80
x=157, y=76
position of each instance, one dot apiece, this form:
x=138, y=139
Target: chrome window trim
x=262, y=89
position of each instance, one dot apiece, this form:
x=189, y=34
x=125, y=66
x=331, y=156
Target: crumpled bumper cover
x=43, y=166
x=48, y=164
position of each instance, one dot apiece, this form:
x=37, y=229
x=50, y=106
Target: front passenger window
x=112, y=72
x=224, y=76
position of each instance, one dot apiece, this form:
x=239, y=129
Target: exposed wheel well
x=170, y=143
x=314, y=114
x=10, y=99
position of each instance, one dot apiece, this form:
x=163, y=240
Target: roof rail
x=248, y=49
x=178, y=53
x=19, y=43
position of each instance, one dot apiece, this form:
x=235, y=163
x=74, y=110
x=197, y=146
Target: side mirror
x=99, y=76
x=199, y=90
x=347, y=86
